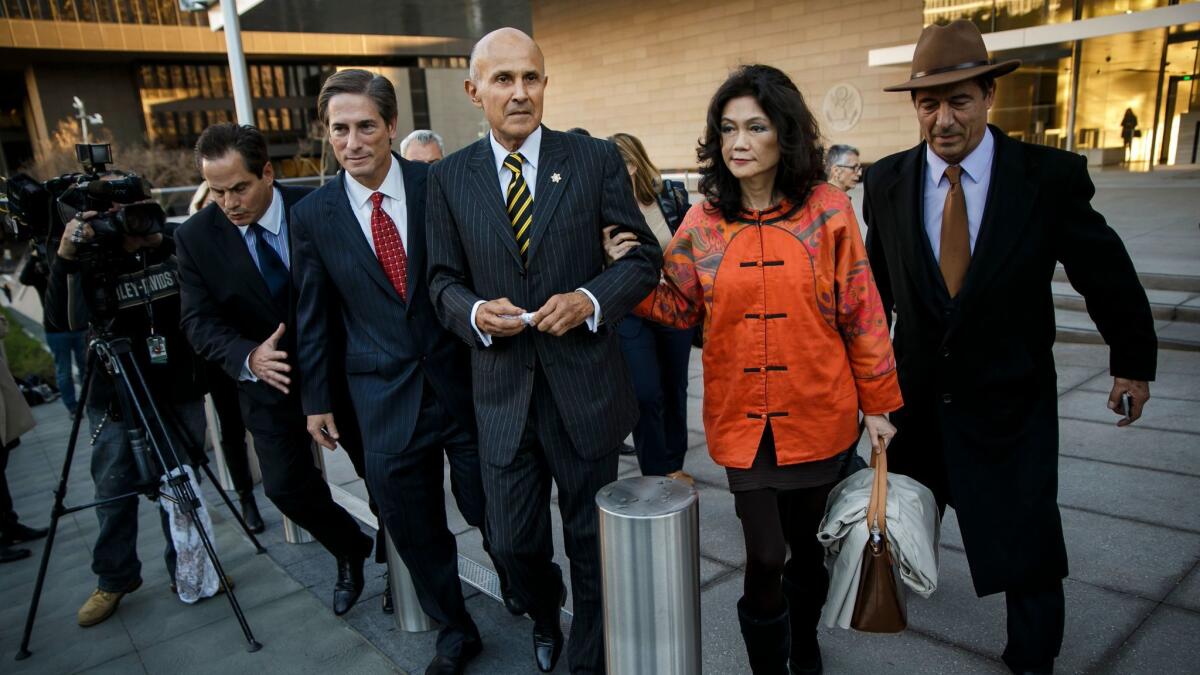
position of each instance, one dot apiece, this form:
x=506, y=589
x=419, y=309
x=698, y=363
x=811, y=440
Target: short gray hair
x=838, y=154
x=422, y=137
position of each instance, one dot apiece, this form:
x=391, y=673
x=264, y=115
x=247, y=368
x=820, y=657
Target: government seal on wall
x=842, y=107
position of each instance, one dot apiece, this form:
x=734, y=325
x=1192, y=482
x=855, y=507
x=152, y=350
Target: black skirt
x=766, y=473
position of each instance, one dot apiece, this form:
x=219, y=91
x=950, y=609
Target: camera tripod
x=154, y=454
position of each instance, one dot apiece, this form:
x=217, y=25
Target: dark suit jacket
x=473, y=256
x=391, y=346
x=977, y=372
x=228, y=311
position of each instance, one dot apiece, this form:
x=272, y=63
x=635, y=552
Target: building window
x=180, y=100
x=143, y=12
x=443, y=62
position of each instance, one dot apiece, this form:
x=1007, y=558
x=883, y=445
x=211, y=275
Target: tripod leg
x=236, y=513
x=252, y=645
x=202, y=459
x=182, y=489
x=56, y=512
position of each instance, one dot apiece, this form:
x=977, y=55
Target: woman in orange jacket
x=795, y=345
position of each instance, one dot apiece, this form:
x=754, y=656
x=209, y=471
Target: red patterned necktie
x=388, y=247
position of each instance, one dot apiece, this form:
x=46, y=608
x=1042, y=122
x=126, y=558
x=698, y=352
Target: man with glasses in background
x=842, y=167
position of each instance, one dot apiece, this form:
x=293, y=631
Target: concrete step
x=1077, y=327
x=1158, y=282
x=1165, y=305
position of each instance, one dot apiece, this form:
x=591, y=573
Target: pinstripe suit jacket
x=473, y=256
x=391, y=345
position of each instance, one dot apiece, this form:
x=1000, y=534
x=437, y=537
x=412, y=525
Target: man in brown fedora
x=965, y=230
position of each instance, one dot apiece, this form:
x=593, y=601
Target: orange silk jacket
x=794, y=329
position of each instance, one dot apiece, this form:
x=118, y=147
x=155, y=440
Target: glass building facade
x=140, y=12
x=1129, y=96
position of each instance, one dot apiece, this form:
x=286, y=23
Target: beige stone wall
x=450, y=111
x=650, y=68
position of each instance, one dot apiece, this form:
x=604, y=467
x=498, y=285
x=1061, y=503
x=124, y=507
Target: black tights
x=772, y=520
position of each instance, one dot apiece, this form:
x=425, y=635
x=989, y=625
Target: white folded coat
x=912, y=529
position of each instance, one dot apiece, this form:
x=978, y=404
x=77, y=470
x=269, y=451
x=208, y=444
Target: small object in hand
x=526, y=317
x=1127, y=406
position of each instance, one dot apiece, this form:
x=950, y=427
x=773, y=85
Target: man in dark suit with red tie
x=360, y=266
x=238, y=312
x=965, y=230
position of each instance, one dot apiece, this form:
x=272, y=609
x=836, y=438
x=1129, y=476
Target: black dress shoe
x=19, y=534
x=349, y=583
x=548, y=635
x=455, y=665
x=13, y=554
x=388, y=607
x=250, y=514
x=547, y=646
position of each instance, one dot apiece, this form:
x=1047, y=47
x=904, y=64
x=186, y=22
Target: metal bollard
x=293, y=533
x=214, y=440
x=650, y=567
x=409, y=615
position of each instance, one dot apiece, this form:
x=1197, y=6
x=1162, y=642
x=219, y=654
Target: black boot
x=16, y=533
x=767, y=641
x=13, y=554
x=804, y=612
x=250, y=514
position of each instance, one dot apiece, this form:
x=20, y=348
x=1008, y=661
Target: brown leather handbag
x=879, y=605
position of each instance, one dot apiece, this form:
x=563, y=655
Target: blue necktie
x=274, y=272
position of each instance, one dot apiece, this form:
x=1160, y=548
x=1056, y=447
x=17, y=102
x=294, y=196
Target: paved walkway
x=153, y=632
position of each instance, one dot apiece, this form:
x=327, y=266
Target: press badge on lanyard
x=157, y=346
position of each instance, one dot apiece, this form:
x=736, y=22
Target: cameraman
x=135, y=276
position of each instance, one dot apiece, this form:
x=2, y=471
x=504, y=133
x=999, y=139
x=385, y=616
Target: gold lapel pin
x=555, y=178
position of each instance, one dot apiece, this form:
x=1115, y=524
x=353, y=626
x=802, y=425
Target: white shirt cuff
x=593, y=322
x=247, y=374
x=483, y=337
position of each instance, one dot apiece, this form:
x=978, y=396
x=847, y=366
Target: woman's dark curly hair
x=801, y=157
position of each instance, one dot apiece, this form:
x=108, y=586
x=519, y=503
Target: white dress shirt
x=394, y=203
x=976, y=176
x=531, y=150
x=273, y=222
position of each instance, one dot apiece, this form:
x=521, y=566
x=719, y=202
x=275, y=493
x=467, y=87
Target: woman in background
x=657, y=354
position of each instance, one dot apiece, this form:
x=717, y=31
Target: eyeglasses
x=854, y=168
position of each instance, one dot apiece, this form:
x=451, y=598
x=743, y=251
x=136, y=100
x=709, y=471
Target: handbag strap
x=877, y=506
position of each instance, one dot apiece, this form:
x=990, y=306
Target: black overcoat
x=980, y=421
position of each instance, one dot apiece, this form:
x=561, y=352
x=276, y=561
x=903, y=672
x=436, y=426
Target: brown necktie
x=956, y=239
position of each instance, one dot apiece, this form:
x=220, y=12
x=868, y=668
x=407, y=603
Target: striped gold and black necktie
x=519, y=202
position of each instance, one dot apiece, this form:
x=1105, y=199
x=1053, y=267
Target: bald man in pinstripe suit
x=514, y=228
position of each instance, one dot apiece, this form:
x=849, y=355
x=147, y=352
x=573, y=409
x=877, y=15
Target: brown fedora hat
x=951, y=53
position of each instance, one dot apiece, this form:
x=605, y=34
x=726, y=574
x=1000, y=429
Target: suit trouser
x=1036, y=614
x=408, y=487
x=520, y=525
x=293, y=483
x=233, y=432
